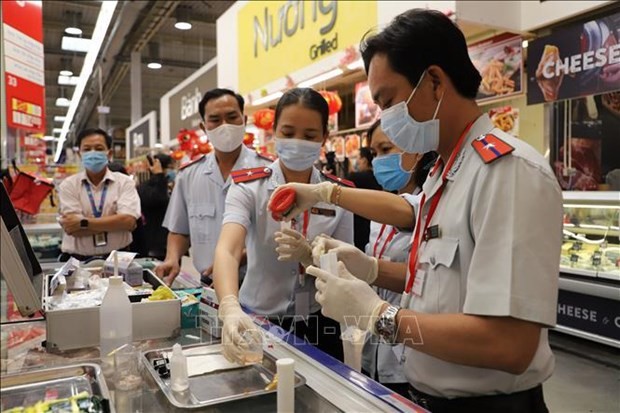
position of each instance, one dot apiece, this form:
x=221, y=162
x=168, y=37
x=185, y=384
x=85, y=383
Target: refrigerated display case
x=45, y=236
x=589, y=296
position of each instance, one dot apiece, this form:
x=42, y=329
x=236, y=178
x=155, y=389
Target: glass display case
x=589, y=285
x=590, y=236
x=45, y=236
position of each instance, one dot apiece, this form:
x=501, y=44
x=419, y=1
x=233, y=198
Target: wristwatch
x=385, y=326
x=84, y=223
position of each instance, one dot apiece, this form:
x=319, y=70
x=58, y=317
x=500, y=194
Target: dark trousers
x=527, y=401
x=64, y=256
x=318, y=330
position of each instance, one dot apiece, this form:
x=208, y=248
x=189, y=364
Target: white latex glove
x=292, y=246
x=362, y=266
x=238, y=328
x=345, y=298
x=307, y=195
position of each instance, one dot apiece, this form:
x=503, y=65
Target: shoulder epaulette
x=491, y=148
x=338, y=180
x=267, y=156
x=250, y=174
x=192, y=162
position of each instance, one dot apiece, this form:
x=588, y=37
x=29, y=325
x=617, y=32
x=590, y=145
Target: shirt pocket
x=202, y=222
x=442, y=287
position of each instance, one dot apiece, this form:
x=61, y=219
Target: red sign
x=22, y=26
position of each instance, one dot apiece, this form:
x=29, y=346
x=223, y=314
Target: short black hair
x=371, y=130
x=308, y=98
x=425, y=163
x=419, y=38
x=116, y=166
x=366, y=153
x=164, y=160
x=218, y=93
x=93, y=131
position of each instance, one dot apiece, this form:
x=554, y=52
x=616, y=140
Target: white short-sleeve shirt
x=272, y=287
x=196, y=205
x=497, y=255
x=121, y=197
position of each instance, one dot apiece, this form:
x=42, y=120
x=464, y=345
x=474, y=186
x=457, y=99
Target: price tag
x=574, y=258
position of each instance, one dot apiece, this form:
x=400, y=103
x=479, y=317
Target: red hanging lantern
x=248, y=139
x=264, y=118
x=334, y=103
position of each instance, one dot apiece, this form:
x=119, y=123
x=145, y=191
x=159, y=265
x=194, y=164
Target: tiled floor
x=583, y=384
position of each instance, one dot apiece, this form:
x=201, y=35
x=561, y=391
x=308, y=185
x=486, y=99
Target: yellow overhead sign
x=277, y=38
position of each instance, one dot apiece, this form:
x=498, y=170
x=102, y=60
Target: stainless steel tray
x=220, y=386
x=27, y=388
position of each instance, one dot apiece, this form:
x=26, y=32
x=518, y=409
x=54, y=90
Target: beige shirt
x=497, y=255
x=121, y=198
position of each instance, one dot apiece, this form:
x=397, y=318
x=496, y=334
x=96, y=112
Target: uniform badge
x=491, y=148
x=250, y=174
x=338, y=180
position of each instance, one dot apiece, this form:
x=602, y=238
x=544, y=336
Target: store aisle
x=583, y=384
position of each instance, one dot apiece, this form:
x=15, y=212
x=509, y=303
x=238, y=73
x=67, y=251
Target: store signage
x=579, y=60
x=22, y=31
x=277, y=38
x=143, y=133
x=179, y=108
x=500, y=63
x=596, y=315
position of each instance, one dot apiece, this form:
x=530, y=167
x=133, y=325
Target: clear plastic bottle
x=115, y=318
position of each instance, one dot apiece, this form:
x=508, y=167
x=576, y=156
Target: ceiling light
x=524, y=44
x=321, y=78
x=68, y=80
x=49, y=138
x=101, y=27
x=74, y=20
x=154, y=61
x=182, y=16
x=56, y=130
x=59, y=118
x=63, y=102
x=358, y=64
x=75, y=44
x=268, y=98
x=66, y=73
x=75, y=31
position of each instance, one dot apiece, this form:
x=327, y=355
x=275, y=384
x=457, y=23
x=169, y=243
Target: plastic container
x=179, y=381
x=115, y=318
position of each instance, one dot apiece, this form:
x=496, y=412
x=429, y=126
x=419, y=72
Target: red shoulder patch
x=491, y=148
x=186, y=164
x=250, y=174
x=338, y=180
x=267, y=156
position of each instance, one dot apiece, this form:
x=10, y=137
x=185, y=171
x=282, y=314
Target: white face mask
x=407, y=133
x=226, y=137
x=298, y=154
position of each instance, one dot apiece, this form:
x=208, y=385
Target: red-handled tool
x=282, y=203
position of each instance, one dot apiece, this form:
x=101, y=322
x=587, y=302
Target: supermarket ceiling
x=145, y=26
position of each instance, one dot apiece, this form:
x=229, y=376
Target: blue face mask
x=389, y=172
x=171, y=176
x=94, y=161
x=297, y=154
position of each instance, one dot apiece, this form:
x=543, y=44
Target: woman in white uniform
x=274, y=288
x=392, y=169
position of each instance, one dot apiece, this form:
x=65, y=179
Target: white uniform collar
x=277, y=176
x=481, y=126
x=109, y=176
x=240, y=163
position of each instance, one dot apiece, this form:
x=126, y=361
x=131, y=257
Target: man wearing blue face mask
x=98, y=207
x=480, y=285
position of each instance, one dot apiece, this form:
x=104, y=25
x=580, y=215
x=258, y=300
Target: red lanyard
x=385, y=244
x=413, y=254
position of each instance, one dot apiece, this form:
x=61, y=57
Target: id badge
x=101, y=239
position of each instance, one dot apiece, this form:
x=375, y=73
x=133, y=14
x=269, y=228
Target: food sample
x=612, y=102
x=549, y=87
x=282, y=203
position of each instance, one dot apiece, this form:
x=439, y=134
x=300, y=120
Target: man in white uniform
x=194, y=215
x=482, y=276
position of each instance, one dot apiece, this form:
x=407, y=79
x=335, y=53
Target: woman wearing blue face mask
x=403, y=173
x=275, y=285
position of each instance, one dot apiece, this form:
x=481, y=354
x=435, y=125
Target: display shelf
x=43, y=229
x=592, y=196
x=578, y=271
x=588, y=336
x=611, y=275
